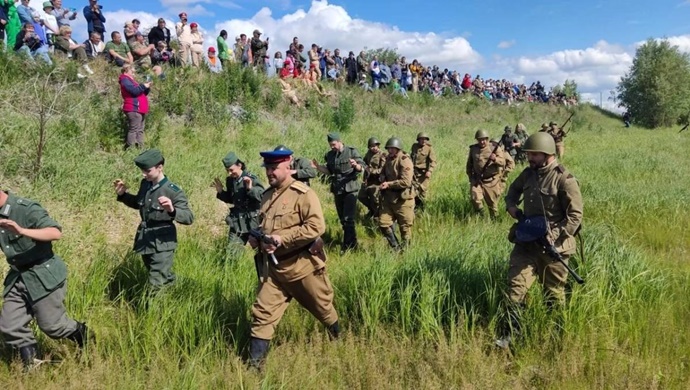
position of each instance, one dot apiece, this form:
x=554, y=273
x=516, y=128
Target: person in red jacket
x=135, y=106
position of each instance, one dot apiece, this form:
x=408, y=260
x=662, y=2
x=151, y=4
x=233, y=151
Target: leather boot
x=258, y=349
x=392, y=240
x=334, y=331
x=29, y=356
x=81, y=335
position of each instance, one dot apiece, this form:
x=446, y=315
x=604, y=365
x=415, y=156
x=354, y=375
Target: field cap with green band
x=148, y=159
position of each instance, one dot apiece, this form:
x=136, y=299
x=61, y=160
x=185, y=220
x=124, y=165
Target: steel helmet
x=395, y=142
x=481, y=134
x=540, y=142
x=423, y=135
x=544, y=125
x=373, y=141
x=520, y=126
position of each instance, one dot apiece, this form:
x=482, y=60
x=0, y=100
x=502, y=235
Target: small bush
x=344, y=113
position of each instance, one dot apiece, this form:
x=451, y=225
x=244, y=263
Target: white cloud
x=506, y=44
x=332, y=27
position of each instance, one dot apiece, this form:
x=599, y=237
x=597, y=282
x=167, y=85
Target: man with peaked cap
x=300, y=167
x=36, y=283
x=243, y=193
x=343, y=164
x=369, y=193
x=292, y=219
x=160, y=203
x=424, y=160
x=397, y=187
x=484, y=167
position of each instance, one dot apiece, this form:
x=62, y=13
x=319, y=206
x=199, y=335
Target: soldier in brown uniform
x=550, y=192
x=292, y=218
x=510, y=163
x=424, y=160
x=558, y=134
x=369, y=193
x=398, y=195
x=484, y=169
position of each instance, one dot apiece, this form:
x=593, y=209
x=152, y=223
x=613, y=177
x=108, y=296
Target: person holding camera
x=135, y=105
x=63, y=15
x=29, y=43
x=258, y=49
x=94, y=18
x=184, y=36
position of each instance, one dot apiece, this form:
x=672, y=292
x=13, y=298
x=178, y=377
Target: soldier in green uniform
x=484, y=169
x=424, y=161
x=509, y=166
x=37, y=281
x=369, y=193
x=301, y=167
x=521, y=135
x=244, y=194
x=160, y=203
x=508, y=140
x=547, y=190
x=343, y=164
x=398, y=194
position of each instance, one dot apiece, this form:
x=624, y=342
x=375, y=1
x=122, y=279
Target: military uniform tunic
x=424, y=160
x=486, y=186
x=304, y=170
x=398, y=198
x=344, y=186
x=369, y=193
x=558, y=136
x=156, y=237
x=553, y=192
x=521, y=137
x=37, y=281
x=244, y=213
x=294, y=213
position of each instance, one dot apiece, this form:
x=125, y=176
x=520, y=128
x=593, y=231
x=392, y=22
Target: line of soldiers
x=289, y=218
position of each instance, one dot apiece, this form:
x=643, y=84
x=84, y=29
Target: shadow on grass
x=128, y=281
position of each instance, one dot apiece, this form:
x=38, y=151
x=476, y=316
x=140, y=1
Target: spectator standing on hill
x=343, y=165
x=25, y=12
x=93, y=13
x=314, y=59
x=160, y=203
x=293, y=265
x=12, y=24
x=197, y=48
x=50, y=23
x=258, y=49
x=242, y=192
x=223, y=50
x=160, y=33
x=36, y=283
x=362, y=65
x=351, y=68
x=184, y=37
x=129, y=33
x=63, y=15
x=424, y=162
x=135, y=105
x=546, y=191
x=484, y=165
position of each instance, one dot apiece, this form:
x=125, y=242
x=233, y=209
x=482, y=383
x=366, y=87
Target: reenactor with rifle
x=243, y=192
x=521, y=135
x=552, y=203
x=398, y=195
x=508, y=141
x=291, y=222
x=369, y=193
x=424, y=160
x=343, y=164
x=300, y=167
x=510, y=163
x=484, y=169
x=558, y=135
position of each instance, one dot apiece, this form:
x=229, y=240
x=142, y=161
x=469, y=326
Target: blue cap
x=276, y=156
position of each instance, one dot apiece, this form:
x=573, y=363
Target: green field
x=425, y=319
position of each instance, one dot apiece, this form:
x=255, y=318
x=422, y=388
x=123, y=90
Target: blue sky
x=591, y=41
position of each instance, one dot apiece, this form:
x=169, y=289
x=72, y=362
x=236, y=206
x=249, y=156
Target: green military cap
x=333, y=137
x=230, y=159
x=149, y=158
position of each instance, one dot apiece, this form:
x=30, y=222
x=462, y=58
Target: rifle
x=262, y=237
x=684, y=127
x=486, y=164
x=566, y=122
x=533, y=229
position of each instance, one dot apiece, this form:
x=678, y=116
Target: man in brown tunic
x=424, y=160
x=398, y=195
x=549, y=191
x=484, y=169
x=291, y=217
x=369, y=193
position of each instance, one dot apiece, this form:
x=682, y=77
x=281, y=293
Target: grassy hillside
x=421, y=320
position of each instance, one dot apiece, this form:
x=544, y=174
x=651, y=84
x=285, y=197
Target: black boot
x=392, y=239
x=29, y=355
x=81, y=335
x=334, y=331
x=258, y=349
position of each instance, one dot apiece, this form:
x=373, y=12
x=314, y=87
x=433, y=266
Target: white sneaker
x=87, y=69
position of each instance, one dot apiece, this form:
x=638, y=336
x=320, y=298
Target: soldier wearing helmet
x=299, y=166
x=547, y=190
x=398, y=195
x=424, y=161
x=558, y=134
x=510, y=163
x=484, y=168
x=521, y=136
x=369, y=193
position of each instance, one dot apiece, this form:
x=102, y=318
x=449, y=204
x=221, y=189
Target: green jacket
x=157, y=233
x=244, y=213
x=41, y=271
x=304, y=170
x=343, y=175
x=223, y=51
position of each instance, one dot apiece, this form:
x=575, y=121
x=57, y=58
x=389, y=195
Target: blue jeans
x=41, y=52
